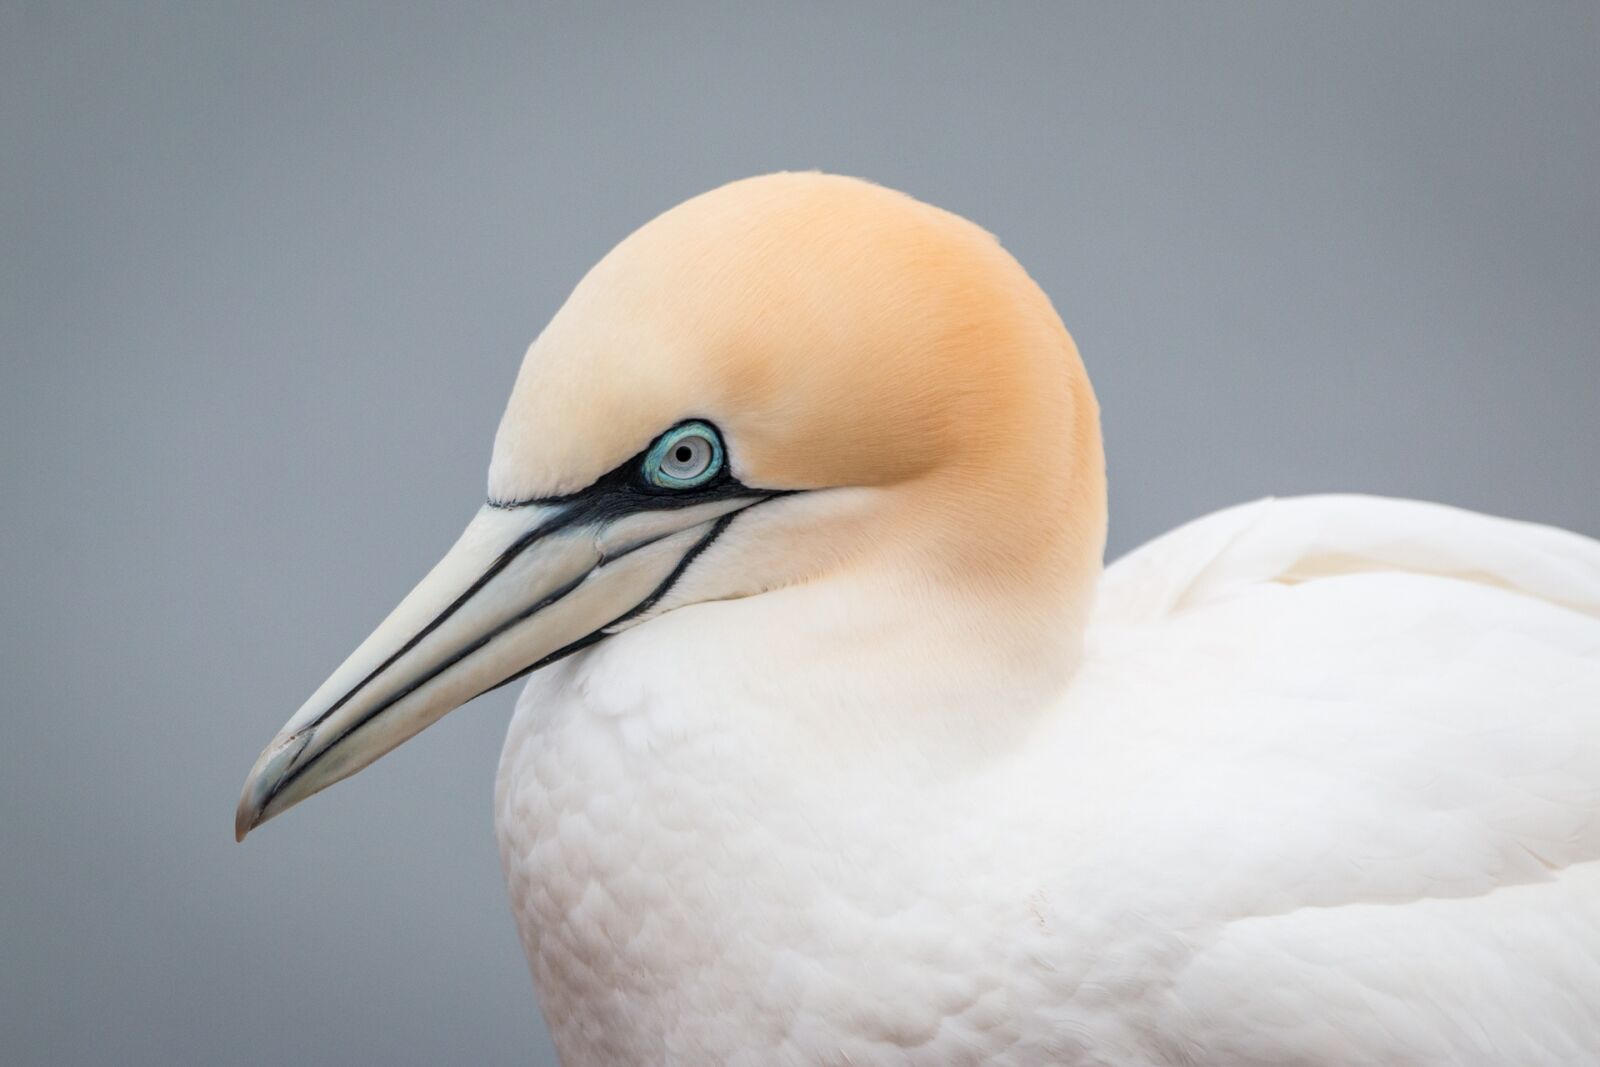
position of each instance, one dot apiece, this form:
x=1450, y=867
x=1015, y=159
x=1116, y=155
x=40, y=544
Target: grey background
x=268, y=271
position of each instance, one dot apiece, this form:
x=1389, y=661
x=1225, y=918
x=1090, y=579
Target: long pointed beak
x=522, y=587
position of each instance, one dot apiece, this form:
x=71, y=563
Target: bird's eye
x=684, y=457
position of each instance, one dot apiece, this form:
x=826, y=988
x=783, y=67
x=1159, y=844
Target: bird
x=840, y=744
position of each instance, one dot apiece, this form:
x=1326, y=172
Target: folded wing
x=1378, y=735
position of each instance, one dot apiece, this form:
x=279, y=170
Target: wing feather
x=1373, y=728
x=1297, y=539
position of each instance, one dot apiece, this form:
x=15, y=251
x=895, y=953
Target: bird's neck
x=673, y=805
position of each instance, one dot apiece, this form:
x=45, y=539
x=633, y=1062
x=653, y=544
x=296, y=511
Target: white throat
x=713, y=799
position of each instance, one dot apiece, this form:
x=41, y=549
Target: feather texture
x=1323, y=791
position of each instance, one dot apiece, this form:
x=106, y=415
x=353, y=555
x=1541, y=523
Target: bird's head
x=792, y=379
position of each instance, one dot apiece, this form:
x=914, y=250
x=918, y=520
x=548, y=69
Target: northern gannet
x=842, y=749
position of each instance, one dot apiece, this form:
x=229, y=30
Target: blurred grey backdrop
x=266, y=273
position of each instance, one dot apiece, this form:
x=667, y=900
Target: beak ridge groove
x=520, y=588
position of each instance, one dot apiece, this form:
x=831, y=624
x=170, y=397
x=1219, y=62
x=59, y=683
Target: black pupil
x=683, y=454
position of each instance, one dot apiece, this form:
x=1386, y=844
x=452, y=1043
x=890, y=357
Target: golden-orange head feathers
x=892, y=403
x=839, y=334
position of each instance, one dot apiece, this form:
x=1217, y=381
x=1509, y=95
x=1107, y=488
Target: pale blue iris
x=686, y=456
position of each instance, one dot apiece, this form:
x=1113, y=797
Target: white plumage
x=1323, y=791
